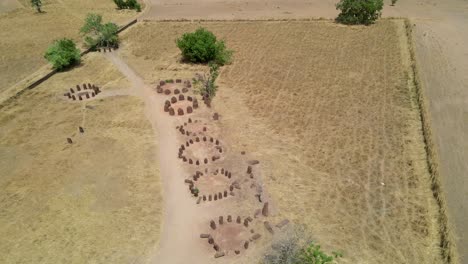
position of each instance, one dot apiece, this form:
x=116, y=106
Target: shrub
x=207, y=83
x=98, y=34
x=202, y=46
x=359, y=11
x=37, y=4
x=295, y=247
x=62, y=54
x=130, y=4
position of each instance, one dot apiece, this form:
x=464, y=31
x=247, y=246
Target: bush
x=206, y=84
x=62, y=54
x=130, y=4
x=98, y=34
x=202, y=46
x=295, y=248
x=37, y=4
x=359, y=11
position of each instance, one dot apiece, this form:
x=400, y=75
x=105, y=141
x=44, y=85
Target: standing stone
x=246, y=223
x=213, y=225
x=189, y=98
x=229, y=218
x=195, y=103
x=219, y=254
x=225, y=194
x=215, y=116
x=181, y=97
x=171, y=111
x=221, y=220
x=70, y=141
x=180, y=111
x=204, y=235
x=238, y=220
x=249, y=169
x=246, y=244
x=81, y=130
x=268, y=227
x=176, y=91
x=173, y=100
x=265, y=210
x=256, y=236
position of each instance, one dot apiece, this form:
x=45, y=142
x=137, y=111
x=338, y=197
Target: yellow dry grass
x=25, y=34
x=96, y=201
x=331, y=113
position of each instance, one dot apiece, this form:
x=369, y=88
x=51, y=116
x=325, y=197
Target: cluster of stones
x=162, y=87
x=192, y=183
x=197, y=162
x=87, y=91
x=214, y=225
x=168, y=105
x=104, y=49
x=184, y=131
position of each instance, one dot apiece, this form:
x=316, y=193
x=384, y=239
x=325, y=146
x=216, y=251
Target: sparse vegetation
x=202, y=46
x=207, y=83
x=98, y=34
x=37, y=4
x=129, y=4
x=355, y=12
x=63, y=53
x=394, y=2
x=296, y=248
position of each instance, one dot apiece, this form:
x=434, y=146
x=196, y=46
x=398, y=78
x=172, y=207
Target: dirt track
x=442, y=56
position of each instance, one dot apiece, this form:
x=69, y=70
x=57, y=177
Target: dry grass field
x=97, y=200
x=331, y=113
x=25, y=34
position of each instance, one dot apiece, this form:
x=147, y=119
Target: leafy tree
x=62, y=54
x=37, y=4
x=98, y=34
x=202, y=46
x=120, y=4
x=359, y=11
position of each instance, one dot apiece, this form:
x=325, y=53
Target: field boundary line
x=16, y=91
x=447, y=240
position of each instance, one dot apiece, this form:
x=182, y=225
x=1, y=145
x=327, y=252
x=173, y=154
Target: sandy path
x=179, y=239
x=440, y=32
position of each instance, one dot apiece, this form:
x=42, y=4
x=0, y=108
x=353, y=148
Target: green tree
x=355, y=12
x=97, y=34
x=37, y=4
x=130, y=4
x=202, y=46
x=120, y=4
x=62, y=54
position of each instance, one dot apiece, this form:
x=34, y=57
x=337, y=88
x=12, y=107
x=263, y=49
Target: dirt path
x=442, y=57
x=178, y=241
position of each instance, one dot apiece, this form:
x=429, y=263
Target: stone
x=231, y=193
x=211, y=140
x=195, y=103
x=282, y=223
x=70, y=141
x=221, y=220
x=246, y=244
x=265, y=210
x=188, y=181
x=249, y=219
x=268, y=227
x=180, y=111
x=253, y=162
x=220, y=195
x=176, y=91
x=215, y=116
x=210, y=240
x=215, y=197
x=249, y=169
x=162, y=83
x=225, y=193
x=256, y=236
x=217, y=142
x=173, y=100
x=209, y=197
x=167, y=92
x=206, y=160
x=237, y=252
x=246, y=223
x=204, y=235
x=197, y=162
x=181, y=97
x=178, y=80
x=213, y=225
x=199, y=200
x=204, y=197
x=81, y=129
x=190, y=161
x=166, y=108
x=92, y=94
x=197, y=139
x=204, y=138
x=78, y=88
x=238, y=220
x=87, y=95
x=189, y=98
x=215, y=247
x=184, y=90
x=219, y=254
x=204, y=129
x=171, y=111
x=229, y=218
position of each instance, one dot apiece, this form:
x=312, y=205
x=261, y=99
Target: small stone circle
x=81, y=93
x=177, y=105
x=229, y=234
x=175, y=87
x=201, y=150
x=193, y=127
x=215, y=186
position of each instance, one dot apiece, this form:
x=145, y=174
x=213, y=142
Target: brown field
x=25, y=35
x=331, y=113
x=96, y=201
